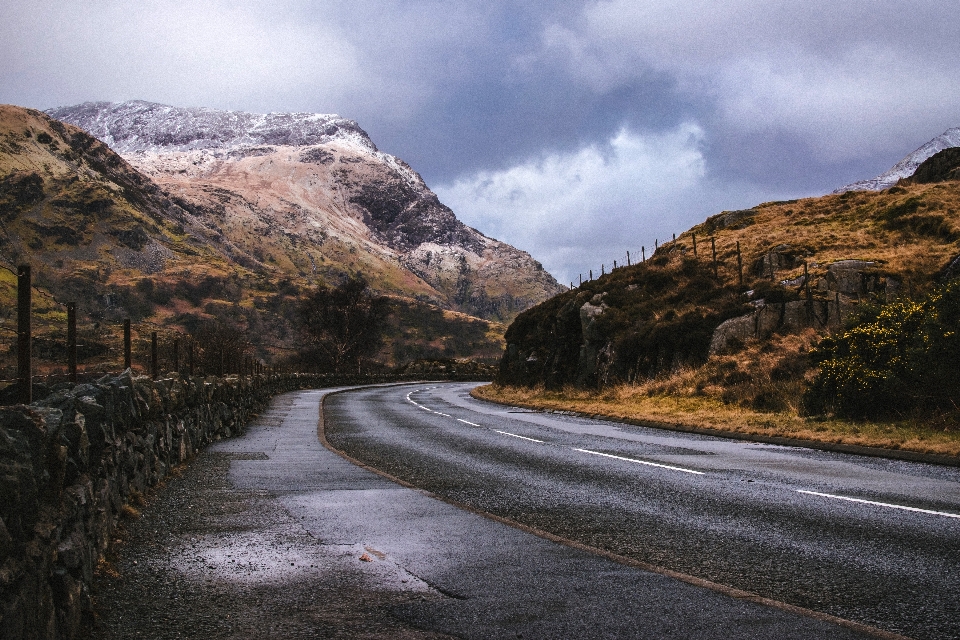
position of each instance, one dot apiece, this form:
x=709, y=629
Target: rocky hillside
x=779, y=268
x=175, y=257
x=310, y=196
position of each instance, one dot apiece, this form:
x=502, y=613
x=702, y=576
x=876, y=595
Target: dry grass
x=654, y=402
x=129, y=511
x=853, y=225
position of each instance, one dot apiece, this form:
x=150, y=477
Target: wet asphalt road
x=813, y=529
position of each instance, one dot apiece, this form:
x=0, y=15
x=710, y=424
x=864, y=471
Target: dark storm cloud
x=572, y=129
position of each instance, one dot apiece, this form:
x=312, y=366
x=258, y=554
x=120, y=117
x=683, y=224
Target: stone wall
x=71, y=463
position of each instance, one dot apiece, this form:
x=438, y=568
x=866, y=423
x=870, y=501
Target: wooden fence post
x=154, y=359
x=72, y=340
x=628, y=258
x=24, y=334
x=176, y=355
x=694, y=245
x=739, y=265
x=713, y=248
x=643, y=254
x=126, y=345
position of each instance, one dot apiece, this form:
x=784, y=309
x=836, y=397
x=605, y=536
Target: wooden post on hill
x=628, y=258
x=694, y=245
x=643, y=254
x=126, y=344
x=739, y=265
x=72, y=341
x=674, y=237
x=591, y=275
x=713, y=248
x=154, y=358
x=176, y=355
x=24, y=334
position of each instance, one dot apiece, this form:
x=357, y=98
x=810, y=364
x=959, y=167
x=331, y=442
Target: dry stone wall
x=71, y=462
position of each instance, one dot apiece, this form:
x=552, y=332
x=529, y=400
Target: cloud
x=218, y=53
x=844, y=81
x=577, y=210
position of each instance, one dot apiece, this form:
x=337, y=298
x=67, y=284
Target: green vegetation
x=896, y=360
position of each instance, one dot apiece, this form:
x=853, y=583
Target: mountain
x=906, y=167
x=310, y=195
x=177, y=257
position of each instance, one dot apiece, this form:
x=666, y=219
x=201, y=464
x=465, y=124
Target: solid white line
x=880, y=504
x=651, y=464
x=472, y=424
x=506, y=433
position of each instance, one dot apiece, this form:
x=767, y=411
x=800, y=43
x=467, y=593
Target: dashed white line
x=513, y=435
x=445, y=415
x=879, y=504
x=472, y=424
x=644, y=462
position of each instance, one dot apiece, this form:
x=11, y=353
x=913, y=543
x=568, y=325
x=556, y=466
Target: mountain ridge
x=908, y=165
x=318, y=192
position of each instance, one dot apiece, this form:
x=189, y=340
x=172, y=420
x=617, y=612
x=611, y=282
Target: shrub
x=896, y=360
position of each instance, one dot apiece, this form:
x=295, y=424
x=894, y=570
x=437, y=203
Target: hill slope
x=806, y=264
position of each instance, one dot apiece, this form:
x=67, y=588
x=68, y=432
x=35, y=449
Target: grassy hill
x=683, y=338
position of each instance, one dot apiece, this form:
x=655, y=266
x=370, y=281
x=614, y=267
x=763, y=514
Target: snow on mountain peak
x=906, y=167
x=137, y=125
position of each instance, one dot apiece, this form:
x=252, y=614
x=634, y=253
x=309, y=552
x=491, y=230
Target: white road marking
x=651, y=464
x=445, y=415
x=513, y=435
x=879, y=504
x=472, y=424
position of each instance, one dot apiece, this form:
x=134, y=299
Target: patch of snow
x=906, y=167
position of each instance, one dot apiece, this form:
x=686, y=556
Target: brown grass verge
x=632, y=402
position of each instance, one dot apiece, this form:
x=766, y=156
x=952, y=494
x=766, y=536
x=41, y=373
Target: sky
x=575, y=130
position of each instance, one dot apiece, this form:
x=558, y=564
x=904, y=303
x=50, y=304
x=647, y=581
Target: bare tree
x=345, y=323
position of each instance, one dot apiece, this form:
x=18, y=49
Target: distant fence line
x=181, y=352
x=715, y=263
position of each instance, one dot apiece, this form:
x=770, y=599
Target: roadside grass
x=635, y=402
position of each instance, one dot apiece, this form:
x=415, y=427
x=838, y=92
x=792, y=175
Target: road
x=865, y=539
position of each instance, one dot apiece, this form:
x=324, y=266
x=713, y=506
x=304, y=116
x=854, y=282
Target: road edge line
x=609, y=555
x=832, y=447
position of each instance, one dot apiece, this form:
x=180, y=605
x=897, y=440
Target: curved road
x=864, y=539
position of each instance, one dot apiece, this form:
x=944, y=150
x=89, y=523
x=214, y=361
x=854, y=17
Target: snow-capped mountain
x=313, y=194
x=146, y=126
x=906, y=167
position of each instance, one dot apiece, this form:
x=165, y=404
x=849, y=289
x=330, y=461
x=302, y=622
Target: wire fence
x=44, y=342
x=629, y=260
